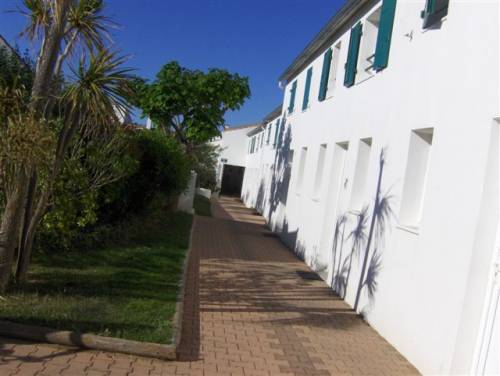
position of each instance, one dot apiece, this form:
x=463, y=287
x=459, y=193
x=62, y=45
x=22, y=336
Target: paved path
x=252, y=308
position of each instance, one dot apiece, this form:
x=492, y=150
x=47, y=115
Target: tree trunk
x=46, y=65
x=33, y=221
x=9, y=228
x=370, y=234
x=48, y=58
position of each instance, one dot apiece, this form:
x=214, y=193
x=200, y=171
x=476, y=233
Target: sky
x=255, y=38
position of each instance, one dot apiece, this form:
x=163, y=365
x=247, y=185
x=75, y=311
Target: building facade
x=385, y=174
x=232, y=158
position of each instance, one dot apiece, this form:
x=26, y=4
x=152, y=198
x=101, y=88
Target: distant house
x=232, y=158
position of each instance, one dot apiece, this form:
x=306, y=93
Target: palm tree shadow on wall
x=261, y=193
x=360, y=239
x=338, y=243
x=280, y=181
x=379, y=224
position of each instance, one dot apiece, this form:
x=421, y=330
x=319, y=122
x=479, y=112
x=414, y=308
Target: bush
x=163, y=168
x=142, y=169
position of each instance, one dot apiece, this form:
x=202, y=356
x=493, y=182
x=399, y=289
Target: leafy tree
x=205, y=157
x=191, y=103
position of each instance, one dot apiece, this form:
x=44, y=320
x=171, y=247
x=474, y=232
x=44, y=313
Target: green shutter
x=434, y=12
x=276, y=130
x=352, y=56
x=307, y=89
x=384, y=34
x=325, y=74
x=293, y=90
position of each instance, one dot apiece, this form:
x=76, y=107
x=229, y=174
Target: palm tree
x=48, y=20
x=99, y=89
x=79, y=24
x=358, y=236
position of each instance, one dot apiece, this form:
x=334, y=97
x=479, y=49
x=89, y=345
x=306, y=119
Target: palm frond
x=100, y=88
x=38, y=13
x=374, y=269
x=358, y=233
x=383, y=213
x=87, y=22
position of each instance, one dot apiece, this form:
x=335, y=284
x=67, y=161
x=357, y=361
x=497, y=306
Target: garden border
x=120, y=345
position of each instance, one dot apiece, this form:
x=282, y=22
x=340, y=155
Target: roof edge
x=339, y=20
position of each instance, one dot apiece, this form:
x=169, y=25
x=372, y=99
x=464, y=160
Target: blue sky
x=256, y=38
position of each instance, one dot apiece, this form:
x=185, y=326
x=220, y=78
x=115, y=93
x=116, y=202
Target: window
x=332, y=80
x=252, y=150
x=302, y=166
x=276, y=132
x=352, y=55
x=307, y=89
x=329, y=73
x=434, y=12
x=369, y=40
x=325, y=72
x=269, y=127
x=319, y=171
x=293, y=91
x=417, y=167
x=261, y=139
x=360, y=174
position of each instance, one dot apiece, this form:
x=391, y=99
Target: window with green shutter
x=384, y=34
x=352, y=55
x=307, y=89
x=325, y=74
x=293, y=91
x=276, y=131
x=435, y=11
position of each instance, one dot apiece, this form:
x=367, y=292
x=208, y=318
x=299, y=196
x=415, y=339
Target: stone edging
x=179, y=307
x=95, y=342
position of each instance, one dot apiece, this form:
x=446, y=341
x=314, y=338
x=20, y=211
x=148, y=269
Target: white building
x=232, y=158
x=385, y=177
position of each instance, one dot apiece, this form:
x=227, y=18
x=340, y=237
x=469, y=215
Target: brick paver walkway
x=252, y=308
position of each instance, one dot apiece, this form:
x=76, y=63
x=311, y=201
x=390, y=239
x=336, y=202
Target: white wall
x=233, y=147
x=446, y=79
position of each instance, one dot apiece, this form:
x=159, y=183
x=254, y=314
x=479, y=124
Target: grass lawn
x=127, y=289
x=202, y=206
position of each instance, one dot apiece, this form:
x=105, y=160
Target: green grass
x=202, y=206
x=126, y=290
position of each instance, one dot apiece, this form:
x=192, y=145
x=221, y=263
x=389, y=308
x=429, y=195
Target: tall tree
x=191, y=103
x=60, y=26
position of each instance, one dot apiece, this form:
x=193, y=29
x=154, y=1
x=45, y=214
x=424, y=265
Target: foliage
x=163, y=167
x=127, y=289
x=89, y=168
x=16, y=71
x=191, y=103
x=205, y=158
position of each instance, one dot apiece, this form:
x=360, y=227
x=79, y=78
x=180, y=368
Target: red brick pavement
x=248, y=311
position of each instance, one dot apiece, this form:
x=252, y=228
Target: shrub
x=163, y=168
